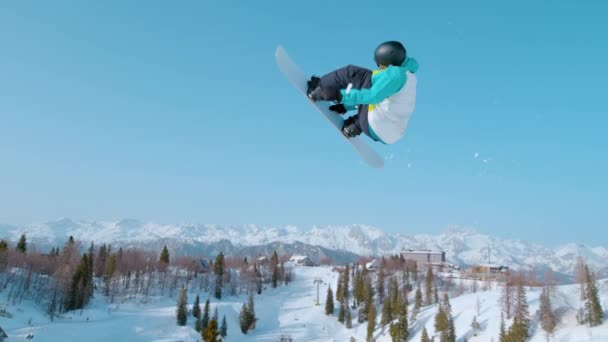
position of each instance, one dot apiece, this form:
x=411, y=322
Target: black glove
x=351, y=127
x=338, y=108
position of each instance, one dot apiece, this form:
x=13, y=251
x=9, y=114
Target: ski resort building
x=263, y=261
x=423, y=257
x=490, y=269
x=301, y=260
x=373, y=265
x=486, y=272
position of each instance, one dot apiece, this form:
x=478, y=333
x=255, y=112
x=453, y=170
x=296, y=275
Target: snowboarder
x=384, y=98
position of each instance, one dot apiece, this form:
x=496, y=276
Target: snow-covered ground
x=287, y=310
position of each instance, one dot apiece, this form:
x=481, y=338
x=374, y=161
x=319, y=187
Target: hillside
x=287, y=310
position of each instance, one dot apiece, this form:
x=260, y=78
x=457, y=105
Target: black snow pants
x=360, y=78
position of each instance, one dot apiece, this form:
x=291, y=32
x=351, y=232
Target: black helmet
x=390, y=53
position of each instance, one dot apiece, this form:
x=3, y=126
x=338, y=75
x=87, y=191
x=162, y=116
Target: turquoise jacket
x=384, y=84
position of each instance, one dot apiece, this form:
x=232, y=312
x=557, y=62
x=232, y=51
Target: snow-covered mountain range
x=462, y=247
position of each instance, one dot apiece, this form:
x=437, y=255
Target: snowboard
x=298, y=78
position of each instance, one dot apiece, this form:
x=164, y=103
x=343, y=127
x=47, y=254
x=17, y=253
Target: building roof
x=372, y=264
x=491, y=265
x=424, y=251
x=299, y=258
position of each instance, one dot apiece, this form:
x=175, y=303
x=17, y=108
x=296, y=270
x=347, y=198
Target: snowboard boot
x=351, y=127
x=313, y=84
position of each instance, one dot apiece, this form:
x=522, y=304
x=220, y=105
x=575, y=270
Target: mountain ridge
x=462, y=246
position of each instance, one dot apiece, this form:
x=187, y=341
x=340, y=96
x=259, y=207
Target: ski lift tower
x=318, y=281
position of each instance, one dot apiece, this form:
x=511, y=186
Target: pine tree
x=211, y=332
x=444, y=323
x=507, y=297
x=91, y=255
x=502, y=337
x=247, y=316
x=100, y=262
x=446, y=304
x=274, y=264
x=164, y=256
x=275, y=277
x=441, y=324
x=369, y=293
x=521, y=319
x=244, y=319
x=22, y=244
x=387, y=313
x=109, y=273
x=219, y=275
x=216, y=314
x=447, y=308
x=182, y=310
x=451, y=333
x=400, y=330
x=425, y=336
x=119, y=256
x=258, y=278
x=339, y=289
x=4, y=246
x=359, y=288
x=81, y=285
x=198, y=324
x=393, y=330
x=371, y=321
x=547, y=317
x=224, y=327
x=428, y=286
x=345, y=284
x=592, y=307
x=380, y=284
x=329, y=302
x=274, y=259
x=394, y=294
x=88, y=286
x=90, y=273
x=349, y=319
x=435, y=295
x=205, y=318
x=342, y=313
x=196, y=308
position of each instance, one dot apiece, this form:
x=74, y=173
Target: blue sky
x=176, y=112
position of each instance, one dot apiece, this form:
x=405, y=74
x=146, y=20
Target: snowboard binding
x=313, y=84
x=351, y=127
